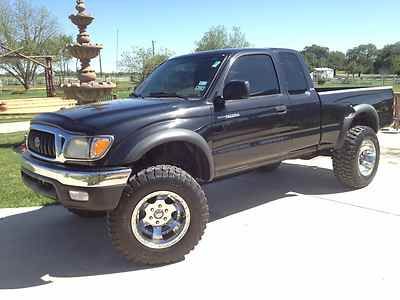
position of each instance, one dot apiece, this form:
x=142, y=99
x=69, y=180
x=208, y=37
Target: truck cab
x=268, y=121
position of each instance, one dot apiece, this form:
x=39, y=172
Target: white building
x=323, y=73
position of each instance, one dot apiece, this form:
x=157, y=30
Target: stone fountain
x=87, y=90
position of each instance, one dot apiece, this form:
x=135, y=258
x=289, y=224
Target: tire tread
x=343, y=159
x=147, y=176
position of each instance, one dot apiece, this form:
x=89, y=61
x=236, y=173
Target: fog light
x=79, y=196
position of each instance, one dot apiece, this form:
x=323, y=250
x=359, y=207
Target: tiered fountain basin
x=85, y=51
x=81, y=20
x=85, y=93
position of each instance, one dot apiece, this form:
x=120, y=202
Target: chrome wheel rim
x=367, y=158
x=160, y=220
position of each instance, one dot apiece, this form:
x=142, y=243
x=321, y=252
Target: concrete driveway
x=14, y=127
x=295, y=233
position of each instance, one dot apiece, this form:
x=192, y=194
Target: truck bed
x=381, y=98
x=332, y=114
x=346, y=88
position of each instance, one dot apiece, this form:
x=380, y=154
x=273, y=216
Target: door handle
x=281, y=109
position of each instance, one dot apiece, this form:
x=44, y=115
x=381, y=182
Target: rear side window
x=297, y=82
x=259, y=71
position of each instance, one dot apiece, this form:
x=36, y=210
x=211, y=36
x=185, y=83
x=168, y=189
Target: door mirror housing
x=236, y=90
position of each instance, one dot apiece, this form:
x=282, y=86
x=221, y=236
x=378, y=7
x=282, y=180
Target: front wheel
x=356, y=163
x=161, y=217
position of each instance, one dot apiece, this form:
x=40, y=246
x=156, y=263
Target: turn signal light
x=100, y=146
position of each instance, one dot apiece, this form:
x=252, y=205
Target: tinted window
x=185, y=76
x=259, y=71
x=297, y=82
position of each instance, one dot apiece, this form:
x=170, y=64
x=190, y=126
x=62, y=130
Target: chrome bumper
x=98, y=178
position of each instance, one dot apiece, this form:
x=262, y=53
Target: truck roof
x=231, y=51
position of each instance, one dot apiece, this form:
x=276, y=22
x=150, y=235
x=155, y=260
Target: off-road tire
x=153, y=179
x=87, y=213
x=345, y=160
x=271, y=167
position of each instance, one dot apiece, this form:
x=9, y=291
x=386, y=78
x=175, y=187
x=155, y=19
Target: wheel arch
x=165, y=137
x=362, y=115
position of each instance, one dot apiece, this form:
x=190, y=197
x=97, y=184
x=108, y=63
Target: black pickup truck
x=195, y=119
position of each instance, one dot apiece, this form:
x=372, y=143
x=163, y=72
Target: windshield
x=186, y=77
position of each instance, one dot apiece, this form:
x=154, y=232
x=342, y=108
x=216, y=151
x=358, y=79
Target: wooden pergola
x=397, y=111
x=44, y=61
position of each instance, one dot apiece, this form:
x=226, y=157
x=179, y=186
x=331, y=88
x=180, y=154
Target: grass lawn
x=20, y=93
x=362, y=82
x=13, y=193
x=123, y=89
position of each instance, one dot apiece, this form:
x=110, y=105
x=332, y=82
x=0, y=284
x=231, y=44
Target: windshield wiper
x=167, y=95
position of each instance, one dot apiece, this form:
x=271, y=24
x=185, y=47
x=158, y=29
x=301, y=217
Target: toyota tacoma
x=142, y=161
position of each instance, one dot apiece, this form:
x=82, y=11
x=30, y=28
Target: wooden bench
x=34, y=105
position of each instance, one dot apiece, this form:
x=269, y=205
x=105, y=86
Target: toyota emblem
x=36, y=142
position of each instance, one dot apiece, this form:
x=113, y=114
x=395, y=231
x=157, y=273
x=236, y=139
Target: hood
x=103, y=117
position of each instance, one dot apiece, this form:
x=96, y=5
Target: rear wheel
x=356, y=163
x=161, y=217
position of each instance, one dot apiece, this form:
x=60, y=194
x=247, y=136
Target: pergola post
x=49, y=75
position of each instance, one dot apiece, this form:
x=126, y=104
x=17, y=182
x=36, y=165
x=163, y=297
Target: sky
x=177, y=24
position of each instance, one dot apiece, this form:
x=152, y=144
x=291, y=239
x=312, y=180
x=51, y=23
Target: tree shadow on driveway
x=52, y=241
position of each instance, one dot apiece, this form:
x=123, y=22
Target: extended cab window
x=259, y=71
x=297, y=82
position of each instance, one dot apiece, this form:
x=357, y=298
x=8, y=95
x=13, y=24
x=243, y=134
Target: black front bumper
x=103, y=186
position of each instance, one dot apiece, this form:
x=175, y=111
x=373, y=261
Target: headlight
x=88, y=148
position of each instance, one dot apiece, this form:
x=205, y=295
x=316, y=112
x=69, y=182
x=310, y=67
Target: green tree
x=58, y=46
x=352, y=63
x=361, y=59
x=396, y=64
x=387, y=59
x=316, y=56
x=237, y=39
x=140, y=62
x=32, y=28
x=218, y=37
x=336, y=61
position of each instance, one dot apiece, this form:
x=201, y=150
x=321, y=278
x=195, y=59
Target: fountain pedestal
x=87, y=90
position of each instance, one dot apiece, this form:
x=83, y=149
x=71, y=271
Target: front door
x=250, y=132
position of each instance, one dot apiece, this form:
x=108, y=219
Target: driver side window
x=259, y=71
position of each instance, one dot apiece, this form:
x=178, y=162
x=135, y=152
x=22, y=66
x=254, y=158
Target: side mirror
x=236, y=90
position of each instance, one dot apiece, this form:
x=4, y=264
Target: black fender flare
x=173, y=135
x=348, y=121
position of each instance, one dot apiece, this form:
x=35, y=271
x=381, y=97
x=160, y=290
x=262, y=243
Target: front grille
x=42, y=143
